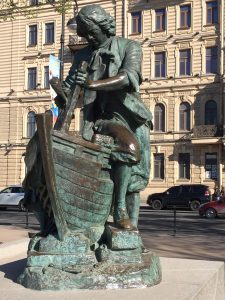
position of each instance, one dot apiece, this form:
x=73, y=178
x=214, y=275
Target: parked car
x=212, y=209
x=12, y=196
x=185, y=196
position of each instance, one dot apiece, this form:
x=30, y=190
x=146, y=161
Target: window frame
x=33, y=2
x=31, y=124
x=33, y=86
x=51, y=31
x=184, y=165
x=208, y=113
x=213, y=60
x=159, y=166
x=159, y=118
x=209, y=166
x=46, y=78
x=35, y=37
x=162, y=64
x=137, y=18
x=161, y=14
x=186, y=60
x=214, y=10
x=187, y=16
x=186, y=113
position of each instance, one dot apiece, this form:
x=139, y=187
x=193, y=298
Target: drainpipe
x=221, y=92
x=125, y=18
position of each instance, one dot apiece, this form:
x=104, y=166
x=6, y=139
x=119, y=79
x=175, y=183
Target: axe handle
x=65, y=116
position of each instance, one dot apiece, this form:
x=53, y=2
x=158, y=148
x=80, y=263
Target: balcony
x=76, y=42
x=204, y=131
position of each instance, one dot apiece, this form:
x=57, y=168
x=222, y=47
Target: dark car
x=182, y=196
x=212, y=209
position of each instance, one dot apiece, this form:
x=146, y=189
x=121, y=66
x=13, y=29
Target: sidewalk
x=12, y=233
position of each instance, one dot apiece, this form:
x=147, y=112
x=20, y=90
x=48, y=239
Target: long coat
x=122, y=105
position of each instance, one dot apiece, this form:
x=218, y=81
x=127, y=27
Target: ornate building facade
x=183, y=84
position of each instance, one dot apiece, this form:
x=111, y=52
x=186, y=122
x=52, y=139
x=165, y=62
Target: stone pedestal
x=119, y=261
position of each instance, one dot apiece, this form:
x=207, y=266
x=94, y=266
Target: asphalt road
x=196, y=238
x=14, y=217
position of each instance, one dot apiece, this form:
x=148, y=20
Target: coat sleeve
x=131, y=64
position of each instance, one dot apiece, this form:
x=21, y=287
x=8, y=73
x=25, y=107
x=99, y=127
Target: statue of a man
x=112, y=106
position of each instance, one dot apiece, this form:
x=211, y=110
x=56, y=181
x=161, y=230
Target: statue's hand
x=60, y=102
x=81, y=77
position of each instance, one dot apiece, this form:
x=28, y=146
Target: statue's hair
x=96, y=14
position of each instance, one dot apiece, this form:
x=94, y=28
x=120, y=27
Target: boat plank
x=101, y=186
x=85, y=205
x=82, y=192
x=88, y=168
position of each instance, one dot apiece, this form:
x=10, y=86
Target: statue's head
x=95, y=24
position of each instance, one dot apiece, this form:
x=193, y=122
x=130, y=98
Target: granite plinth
x=118, y=261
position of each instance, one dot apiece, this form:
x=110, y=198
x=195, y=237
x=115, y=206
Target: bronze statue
x=73, y=182
x=112, y=105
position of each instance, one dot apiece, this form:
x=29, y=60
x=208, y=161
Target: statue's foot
x=122, y=220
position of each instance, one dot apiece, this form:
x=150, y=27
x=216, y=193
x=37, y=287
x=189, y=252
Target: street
x=195, y=238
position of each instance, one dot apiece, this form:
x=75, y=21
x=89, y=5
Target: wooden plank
x=44, y=124
x=88, y=168
x=102, y=186
x=83, y=192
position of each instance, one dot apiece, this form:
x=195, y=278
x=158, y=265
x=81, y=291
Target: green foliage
x=9, y=9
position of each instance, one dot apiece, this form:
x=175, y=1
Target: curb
x=8, y=250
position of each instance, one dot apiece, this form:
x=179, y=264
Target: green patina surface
x=122, y=239
x=73, y=183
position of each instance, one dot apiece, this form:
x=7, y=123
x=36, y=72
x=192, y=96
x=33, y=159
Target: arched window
x=211, y=113
x=159, y=118
x=31, y=124
x=184, y=113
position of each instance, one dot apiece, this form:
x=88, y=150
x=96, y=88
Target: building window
x=184, y=113
x=49, y=33
x=33, y=2
x=159, y=166
x=212, y=60
x=159, y=118
x=31, y=124
x=211, y=113
x=211, y=166
x=32, y=79
x=32, y=35
x=185, y=16
x=160, y=19
x=184, y=165
x=185, y=62
x=160, y=65
x=46, y=77
x=212, y=12
x=136, y=22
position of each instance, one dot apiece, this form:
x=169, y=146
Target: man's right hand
x=60, y=102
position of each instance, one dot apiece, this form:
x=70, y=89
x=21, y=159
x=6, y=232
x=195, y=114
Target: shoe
x=122, y=220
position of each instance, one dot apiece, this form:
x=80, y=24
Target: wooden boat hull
x=77, y=176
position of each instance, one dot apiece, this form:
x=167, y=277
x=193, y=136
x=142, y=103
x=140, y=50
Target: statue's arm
x=117, y=82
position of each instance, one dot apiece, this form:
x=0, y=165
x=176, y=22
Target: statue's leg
x=122, y=174
x=133, y=207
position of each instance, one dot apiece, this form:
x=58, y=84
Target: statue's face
x=92, y=33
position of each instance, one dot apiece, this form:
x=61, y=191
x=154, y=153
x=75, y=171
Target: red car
x=212, y=209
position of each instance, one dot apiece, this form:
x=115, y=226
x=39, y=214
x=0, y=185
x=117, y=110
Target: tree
x=9, y=9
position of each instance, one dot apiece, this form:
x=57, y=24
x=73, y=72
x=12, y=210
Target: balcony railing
x=207, y=131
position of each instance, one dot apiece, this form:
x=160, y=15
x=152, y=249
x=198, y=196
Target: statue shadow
x=13, y=269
